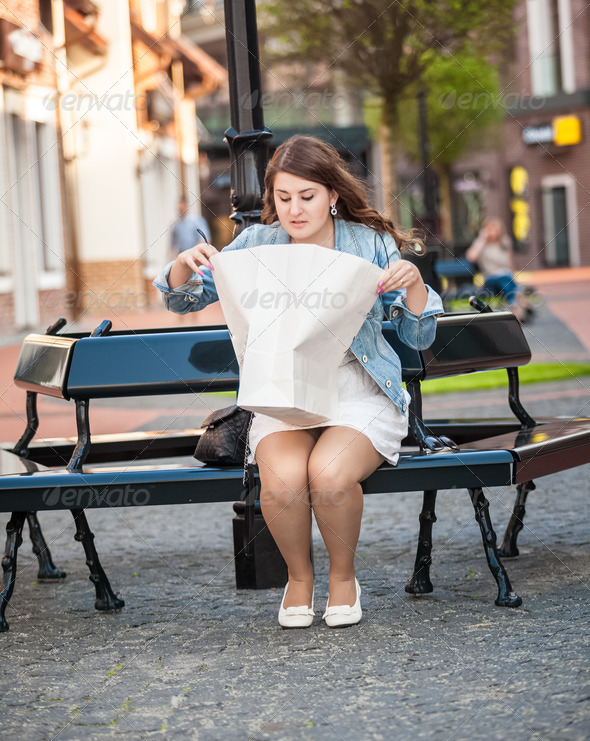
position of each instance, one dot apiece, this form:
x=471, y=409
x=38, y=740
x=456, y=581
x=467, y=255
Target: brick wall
x=53, y=304
x=539, y=160
x=25, y=13
x=581, y=39
x=114, y=285
x=153, y=296
x=520, y=77
x=548, y=159
x=7, y=323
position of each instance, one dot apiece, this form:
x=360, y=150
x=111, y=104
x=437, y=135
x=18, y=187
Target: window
x=5, y=214
x=549, y=25
x=45, y=13
x=559, y=220
x=542, y=47
x=47, y=202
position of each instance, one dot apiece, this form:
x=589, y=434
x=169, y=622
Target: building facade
x=97, y=119
x=538, y=180
x=32, y=223
x=547, y=135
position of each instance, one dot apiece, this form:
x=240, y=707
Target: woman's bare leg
x=340, y=460
x=284, y=499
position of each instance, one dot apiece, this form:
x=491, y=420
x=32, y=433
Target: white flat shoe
x=340, y=616
x=295, y=617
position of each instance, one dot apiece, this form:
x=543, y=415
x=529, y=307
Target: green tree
x=384, y=47
x=463, y=98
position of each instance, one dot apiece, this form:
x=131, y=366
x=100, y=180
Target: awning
x=79, y=31
x=158, y=44
x=202, y=74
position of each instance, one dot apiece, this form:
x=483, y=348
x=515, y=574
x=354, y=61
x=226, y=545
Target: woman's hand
x=189, y=262
x=404, y=274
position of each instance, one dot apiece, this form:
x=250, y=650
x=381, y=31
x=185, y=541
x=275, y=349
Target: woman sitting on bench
x=492, y=251
x=312, y=198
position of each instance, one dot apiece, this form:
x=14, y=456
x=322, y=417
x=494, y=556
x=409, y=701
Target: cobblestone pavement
x=192, y=657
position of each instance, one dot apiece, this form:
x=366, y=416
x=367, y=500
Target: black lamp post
x=248, y=139
x=428, y=220
x=261, y=565
x=429, y=185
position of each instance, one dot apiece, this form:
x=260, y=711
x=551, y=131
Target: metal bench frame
x=78, y=367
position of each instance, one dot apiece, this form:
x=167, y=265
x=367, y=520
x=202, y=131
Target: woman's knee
x=282, y=483
x=330, y=483
x=282, y=462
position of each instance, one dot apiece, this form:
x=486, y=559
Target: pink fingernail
x=380, y=291
x=380, y=284
x=201, y=274
x=210, y=266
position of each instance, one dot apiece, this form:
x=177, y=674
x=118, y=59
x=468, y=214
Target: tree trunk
x=391, y=150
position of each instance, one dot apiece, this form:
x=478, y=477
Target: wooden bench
x=61, y=474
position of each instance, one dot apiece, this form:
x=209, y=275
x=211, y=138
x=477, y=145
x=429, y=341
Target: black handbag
x=224, y=441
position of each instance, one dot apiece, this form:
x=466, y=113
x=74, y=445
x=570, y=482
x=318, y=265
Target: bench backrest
x=175, y=361
x=466, y=343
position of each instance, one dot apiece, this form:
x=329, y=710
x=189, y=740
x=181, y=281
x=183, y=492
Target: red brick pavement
x=567, y=291
x=57, y=416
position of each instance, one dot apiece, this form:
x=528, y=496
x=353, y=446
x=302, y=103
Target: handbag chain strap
x=249, y=512
x=247, y=452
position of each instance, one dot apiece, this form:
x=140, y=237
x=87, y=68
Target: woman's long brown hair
x=312, y=159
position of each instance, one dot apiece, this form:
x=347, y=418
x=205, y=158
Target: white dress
x=362, y=405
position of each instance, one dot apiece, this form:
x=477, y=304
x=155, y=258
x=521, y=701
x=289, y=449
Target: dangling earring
x=333, y=210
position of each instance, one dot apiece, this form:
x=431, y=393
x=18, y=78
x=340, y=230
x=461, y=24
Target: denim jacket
x=369, y=346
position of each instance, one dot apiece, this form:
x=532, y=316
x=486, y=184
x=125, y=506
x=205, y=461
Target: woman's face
x=303, y=208
x=493, y=231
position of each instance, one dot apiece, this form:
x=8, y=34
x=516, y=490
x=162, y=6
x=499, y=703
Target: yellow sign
x=567, y=130
x=519, y=179
x=519, y=207
x=521, y=222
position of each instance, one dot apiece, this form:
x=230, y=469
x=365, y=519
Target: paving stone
x=190, y=656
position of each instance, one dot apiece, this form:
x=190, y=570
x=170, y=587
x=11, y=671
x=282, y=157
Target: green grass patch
x=463, y=305
x=533, y=373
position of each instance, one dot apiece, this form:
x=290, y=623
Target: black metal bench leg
x=14, y=539
x=506, y=596
x=106, y=600
x=48, y=572
x=420, y=582
x=508, y=547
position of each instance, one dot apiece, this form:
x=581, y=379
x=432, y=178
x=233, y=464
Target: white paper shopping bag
x=293, y=311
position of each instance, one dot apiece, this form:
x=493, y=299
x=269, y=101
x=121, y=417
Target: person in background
x=492, y=251
x=186, y=230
